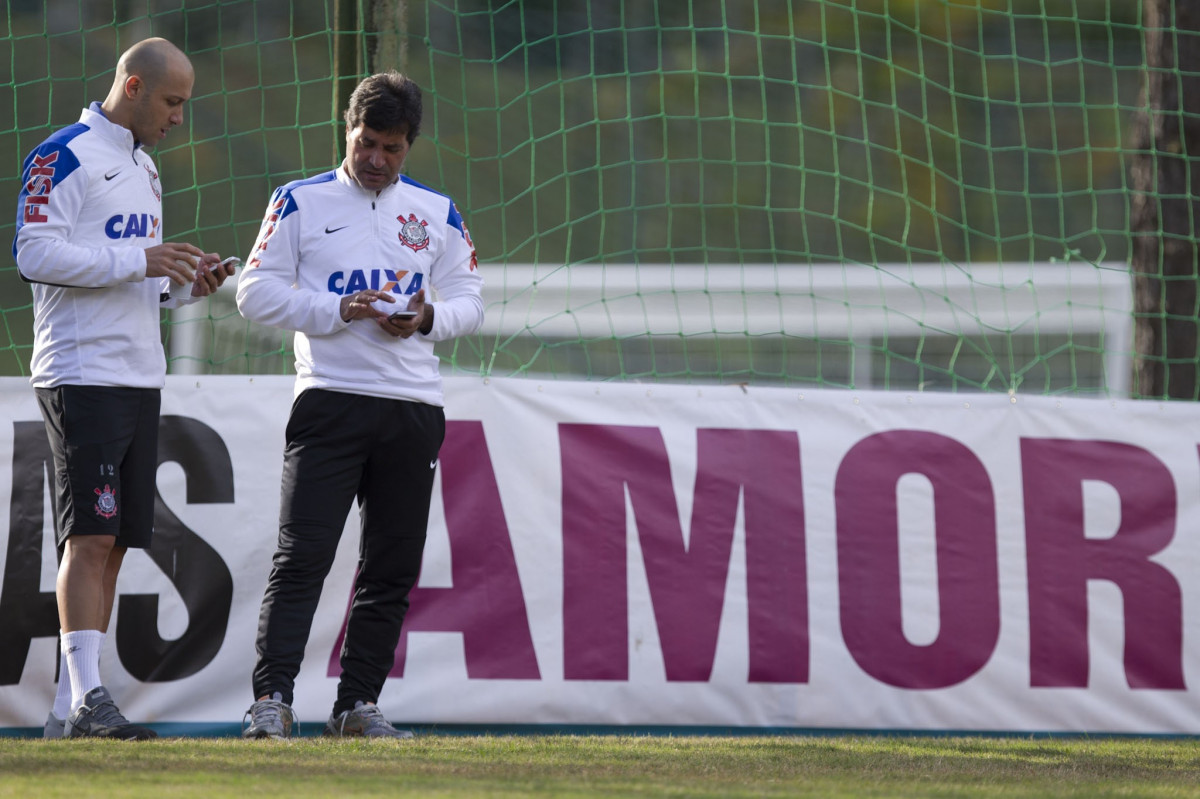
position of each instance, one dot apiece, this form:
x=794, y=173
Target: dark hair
x=386, y=102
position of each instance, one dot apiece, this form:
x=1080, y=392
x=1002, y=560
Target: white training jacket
x=325, y=237
x=89, y=207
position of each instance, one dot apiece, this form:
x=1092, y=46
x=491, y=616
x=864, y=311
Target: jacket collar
x=93, y=116
x=344, y=178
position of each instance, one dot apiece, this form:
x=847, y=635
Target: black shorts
x=105, y=445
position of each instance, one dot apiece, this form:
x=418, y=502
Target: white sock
x=62, y=693
x=82, y=650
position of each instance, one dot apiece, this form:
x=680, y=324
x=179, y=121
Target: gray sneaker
x=365, y=720
x=55, y=727
x=98, y=717
x=269, y=718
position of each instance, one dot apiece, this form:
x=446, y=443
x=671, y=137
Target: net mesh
x=845, y=193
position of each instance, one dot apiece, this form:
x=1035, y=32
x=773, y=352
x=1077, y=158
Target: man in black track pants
x=346, y=259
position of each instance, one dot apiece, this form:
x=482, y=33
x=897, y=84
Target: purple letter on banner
x=485, y=603
x=869, y=559
x=1061, y=560
x=687, y=583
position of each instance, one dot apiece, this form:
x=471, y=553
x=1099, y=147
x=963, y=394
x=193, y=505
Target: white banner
x=673, y=556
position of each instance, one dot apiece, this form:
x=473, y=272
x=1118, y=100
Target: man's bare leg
x=85, y=596
x=85, y=599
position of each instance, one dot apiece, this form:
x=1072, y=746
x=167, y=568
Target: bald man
x=90, y=241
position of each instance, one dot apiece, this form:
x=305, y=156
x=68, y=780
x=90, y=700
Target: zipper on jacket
x=374, y=228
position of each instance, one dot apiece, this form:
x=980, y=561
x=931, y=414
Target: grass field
x=608, y=766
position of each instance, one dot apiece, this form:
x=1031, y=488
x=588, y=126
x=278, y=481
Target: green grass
x=608, y=766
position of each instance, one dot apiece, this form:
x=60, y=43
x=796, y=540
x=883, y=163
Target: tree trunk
x=347, y=58
x=1166, y=186
x=389, y=24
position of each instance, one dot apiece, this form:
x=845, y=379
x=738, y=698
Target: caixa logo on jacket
x=354, y=280
x=125, y=226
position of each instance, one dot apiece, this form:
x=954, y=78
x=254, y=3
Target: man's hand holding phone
x=212, y=274
x=401, y=323
x=404, y=323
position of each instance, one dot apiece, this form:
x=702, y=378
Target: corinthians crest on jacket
x=413, y=233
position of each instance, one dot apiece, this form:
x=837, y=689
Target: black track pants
x=341, y=446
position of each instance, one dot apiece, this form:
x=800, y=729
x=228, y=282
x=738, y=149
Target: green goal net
x=893, y=194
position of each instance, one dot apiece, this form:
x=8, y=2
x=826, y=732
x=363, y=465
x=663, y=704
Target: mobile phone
x=399, y=315
x=232, y=260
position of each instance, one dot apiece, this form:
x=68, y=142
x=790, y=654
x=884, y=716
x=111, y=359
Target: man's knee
x=89, y=551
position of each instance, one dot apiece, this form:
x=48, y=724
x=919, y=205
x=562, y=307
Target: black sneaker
x=365, y=720
x=98, y=717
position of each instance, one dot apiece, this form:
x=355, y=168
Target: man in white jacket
x=348, y=259
x=90, y=241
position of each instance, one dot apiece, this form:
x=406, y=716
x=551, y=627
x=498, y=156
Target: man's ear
x=133, y=85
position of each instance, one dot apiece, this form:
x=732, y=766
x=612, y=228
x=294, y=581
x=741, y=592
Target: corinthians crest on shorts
x=413, y=233
x=106, y=502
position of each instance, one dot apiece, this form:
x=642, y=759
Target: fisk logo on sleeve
x=276, y=211
x=37, y=188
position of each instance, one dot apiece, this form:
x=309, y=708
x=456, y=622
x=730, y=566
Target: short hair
x=150, y=60
x=387, y=102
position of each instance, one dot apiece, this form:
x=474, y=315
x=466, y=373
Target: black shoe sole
x=131, y=733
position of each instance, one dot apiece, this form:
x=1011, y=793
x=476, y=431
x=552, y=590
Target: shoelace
x=372, y=718
x=107, y=714
x=268, y=712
